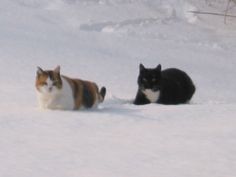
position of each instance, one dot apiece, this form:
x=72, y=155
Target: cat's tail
x=102, y=94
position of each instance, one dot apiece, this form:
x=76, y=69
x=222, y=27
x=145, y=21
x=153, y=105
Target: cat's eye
x=144, y=80
x=54, y=83
x=44, y=83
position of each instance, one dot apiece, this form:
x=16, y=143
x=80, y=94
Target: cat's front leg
x=42, y=101
x=42, y=105
x=141, y=99
x=52, y=103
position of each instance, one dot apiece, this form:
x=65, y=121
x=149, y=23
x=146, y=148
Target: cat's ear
x=158, y=68
x=57, y=69
x=141, y=67
x=39, y=71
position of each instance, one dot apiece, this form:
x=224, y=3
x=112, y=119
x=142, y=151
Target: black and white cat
x=170, y=86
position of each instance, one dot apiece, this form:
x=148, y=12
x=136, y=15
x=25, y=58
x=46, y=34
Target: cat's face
x=149, y=78
x=49, y=81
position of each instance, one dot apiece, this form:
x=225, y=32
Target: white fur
x=152, y=96
x=56, y=98
x=95, y=105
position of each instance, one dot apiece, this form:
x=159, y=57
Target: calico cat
x=170, y=86
x=56, y=91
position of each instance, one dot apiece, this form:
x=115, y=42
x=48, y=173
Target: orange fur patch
x=80, y=88
x=41, y=80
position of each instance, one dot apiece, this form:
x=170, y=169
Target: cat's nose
x=50, y=89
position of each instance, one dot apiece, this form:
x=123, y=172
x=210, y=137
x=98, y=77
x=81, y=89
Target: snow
x=104, y=41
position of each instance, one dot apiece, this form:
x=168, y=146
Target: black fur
x=88, y=99
x=103, y=92
x=175, y=86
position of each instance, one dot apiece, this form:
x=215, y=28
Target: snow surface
x=104, y=41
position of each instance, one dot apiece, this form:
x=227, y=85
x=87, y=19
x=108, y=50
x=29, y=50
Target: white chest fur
x=151, y=95
x=57, y=99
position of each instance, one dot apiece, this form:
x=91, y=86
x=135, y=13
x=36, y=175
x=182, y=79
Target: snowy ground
x=104, y=41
